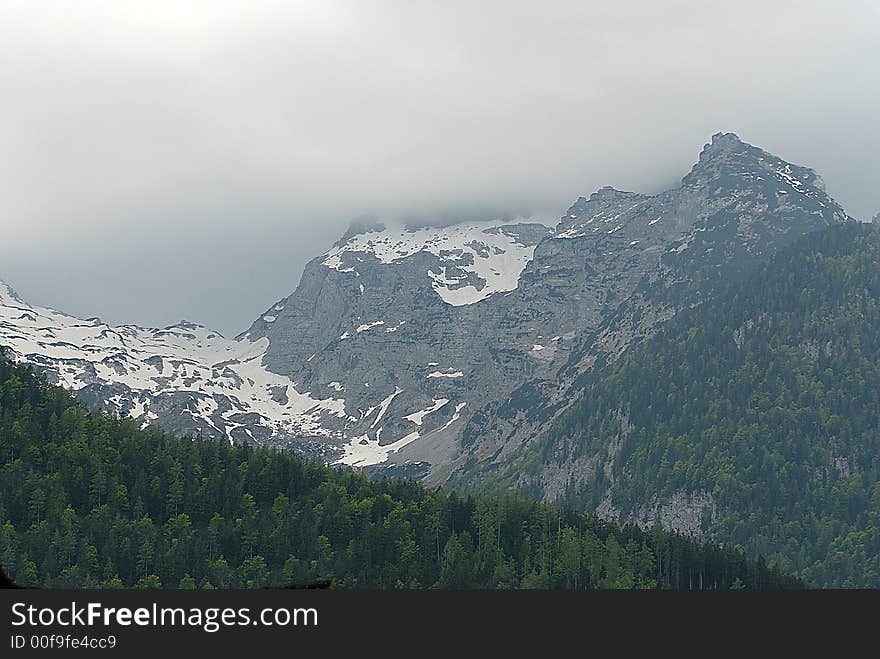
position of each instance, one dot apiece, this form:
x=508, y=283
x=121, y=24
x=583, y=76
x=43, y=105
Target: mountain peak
x=609, y=192
x=185, y=325
x=8, y=294
x=727, y=157
x=723, y=144
x=359, y=226
x=726, y=138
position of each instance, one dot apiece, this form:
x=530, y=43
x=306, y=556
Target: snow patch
x=439, y=374
x=418, y=417
x=483, y=250
x=151, y=362
x=362, y=451
x=383, y=406
x=364, y=328
x=455, y=416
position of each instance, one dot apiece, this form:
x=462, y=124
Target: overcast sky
x=162, y=160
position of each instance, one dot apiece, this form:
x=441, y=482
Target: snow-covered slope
x=397, y=318
x=475, y=259
x=216, y=386
x=190, y=379
x=441, y=348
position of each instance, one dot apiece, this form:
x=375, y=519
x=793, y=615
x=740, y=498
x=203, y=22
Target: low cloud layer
x=185, y=159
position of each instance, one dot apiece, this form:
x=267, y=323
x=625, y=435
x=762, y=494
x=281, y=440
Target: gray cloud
x=171, y=159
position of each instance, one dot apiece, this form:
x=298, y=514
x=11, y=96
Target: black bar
x=422, y=620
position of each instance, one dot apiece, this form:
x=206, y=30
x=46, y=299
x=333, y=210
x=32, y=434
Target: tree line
x=89, y=500
x=767, y=400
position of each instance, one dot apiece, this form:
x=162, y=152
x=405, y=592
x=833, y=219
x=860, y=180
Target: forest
x=767, y=400
x=89, y=500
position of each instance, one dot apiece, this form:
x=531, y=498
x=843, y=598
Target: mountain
x=753, y=419
x=403, y=323
x=340, y=347
x=425, y=351
x=90, y=500
x=736, y=207
x=188, y=378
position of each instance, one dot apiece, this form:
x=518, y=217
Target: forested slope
x=87, y=500
x=763, y=405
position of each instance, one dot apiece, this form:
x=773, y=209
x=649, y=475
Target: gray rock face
x=439, y=352
x=411, y=326
x=407, y=325
x=637, y=260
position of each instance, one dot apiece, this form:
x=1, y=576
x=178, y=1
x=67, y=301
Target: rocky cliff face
x=438, y=352
x=650, y=256
x=400, y=322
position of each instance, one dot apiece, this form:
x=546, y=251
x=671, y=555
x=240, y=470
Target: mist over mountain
x=697, y=358
x=187, y=161
x=400, y=340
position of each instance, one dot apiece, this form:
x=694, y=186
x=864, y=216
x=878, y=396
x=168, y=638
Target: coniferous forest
x=89, y=500
x=767, y=400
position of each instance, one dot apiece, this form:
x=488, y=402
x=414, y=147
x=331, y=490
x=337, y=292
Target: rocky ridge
x=440, y=352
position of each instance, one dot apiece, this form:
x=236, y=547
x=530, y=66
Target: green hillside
x=87, y=500
x=766, y=400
